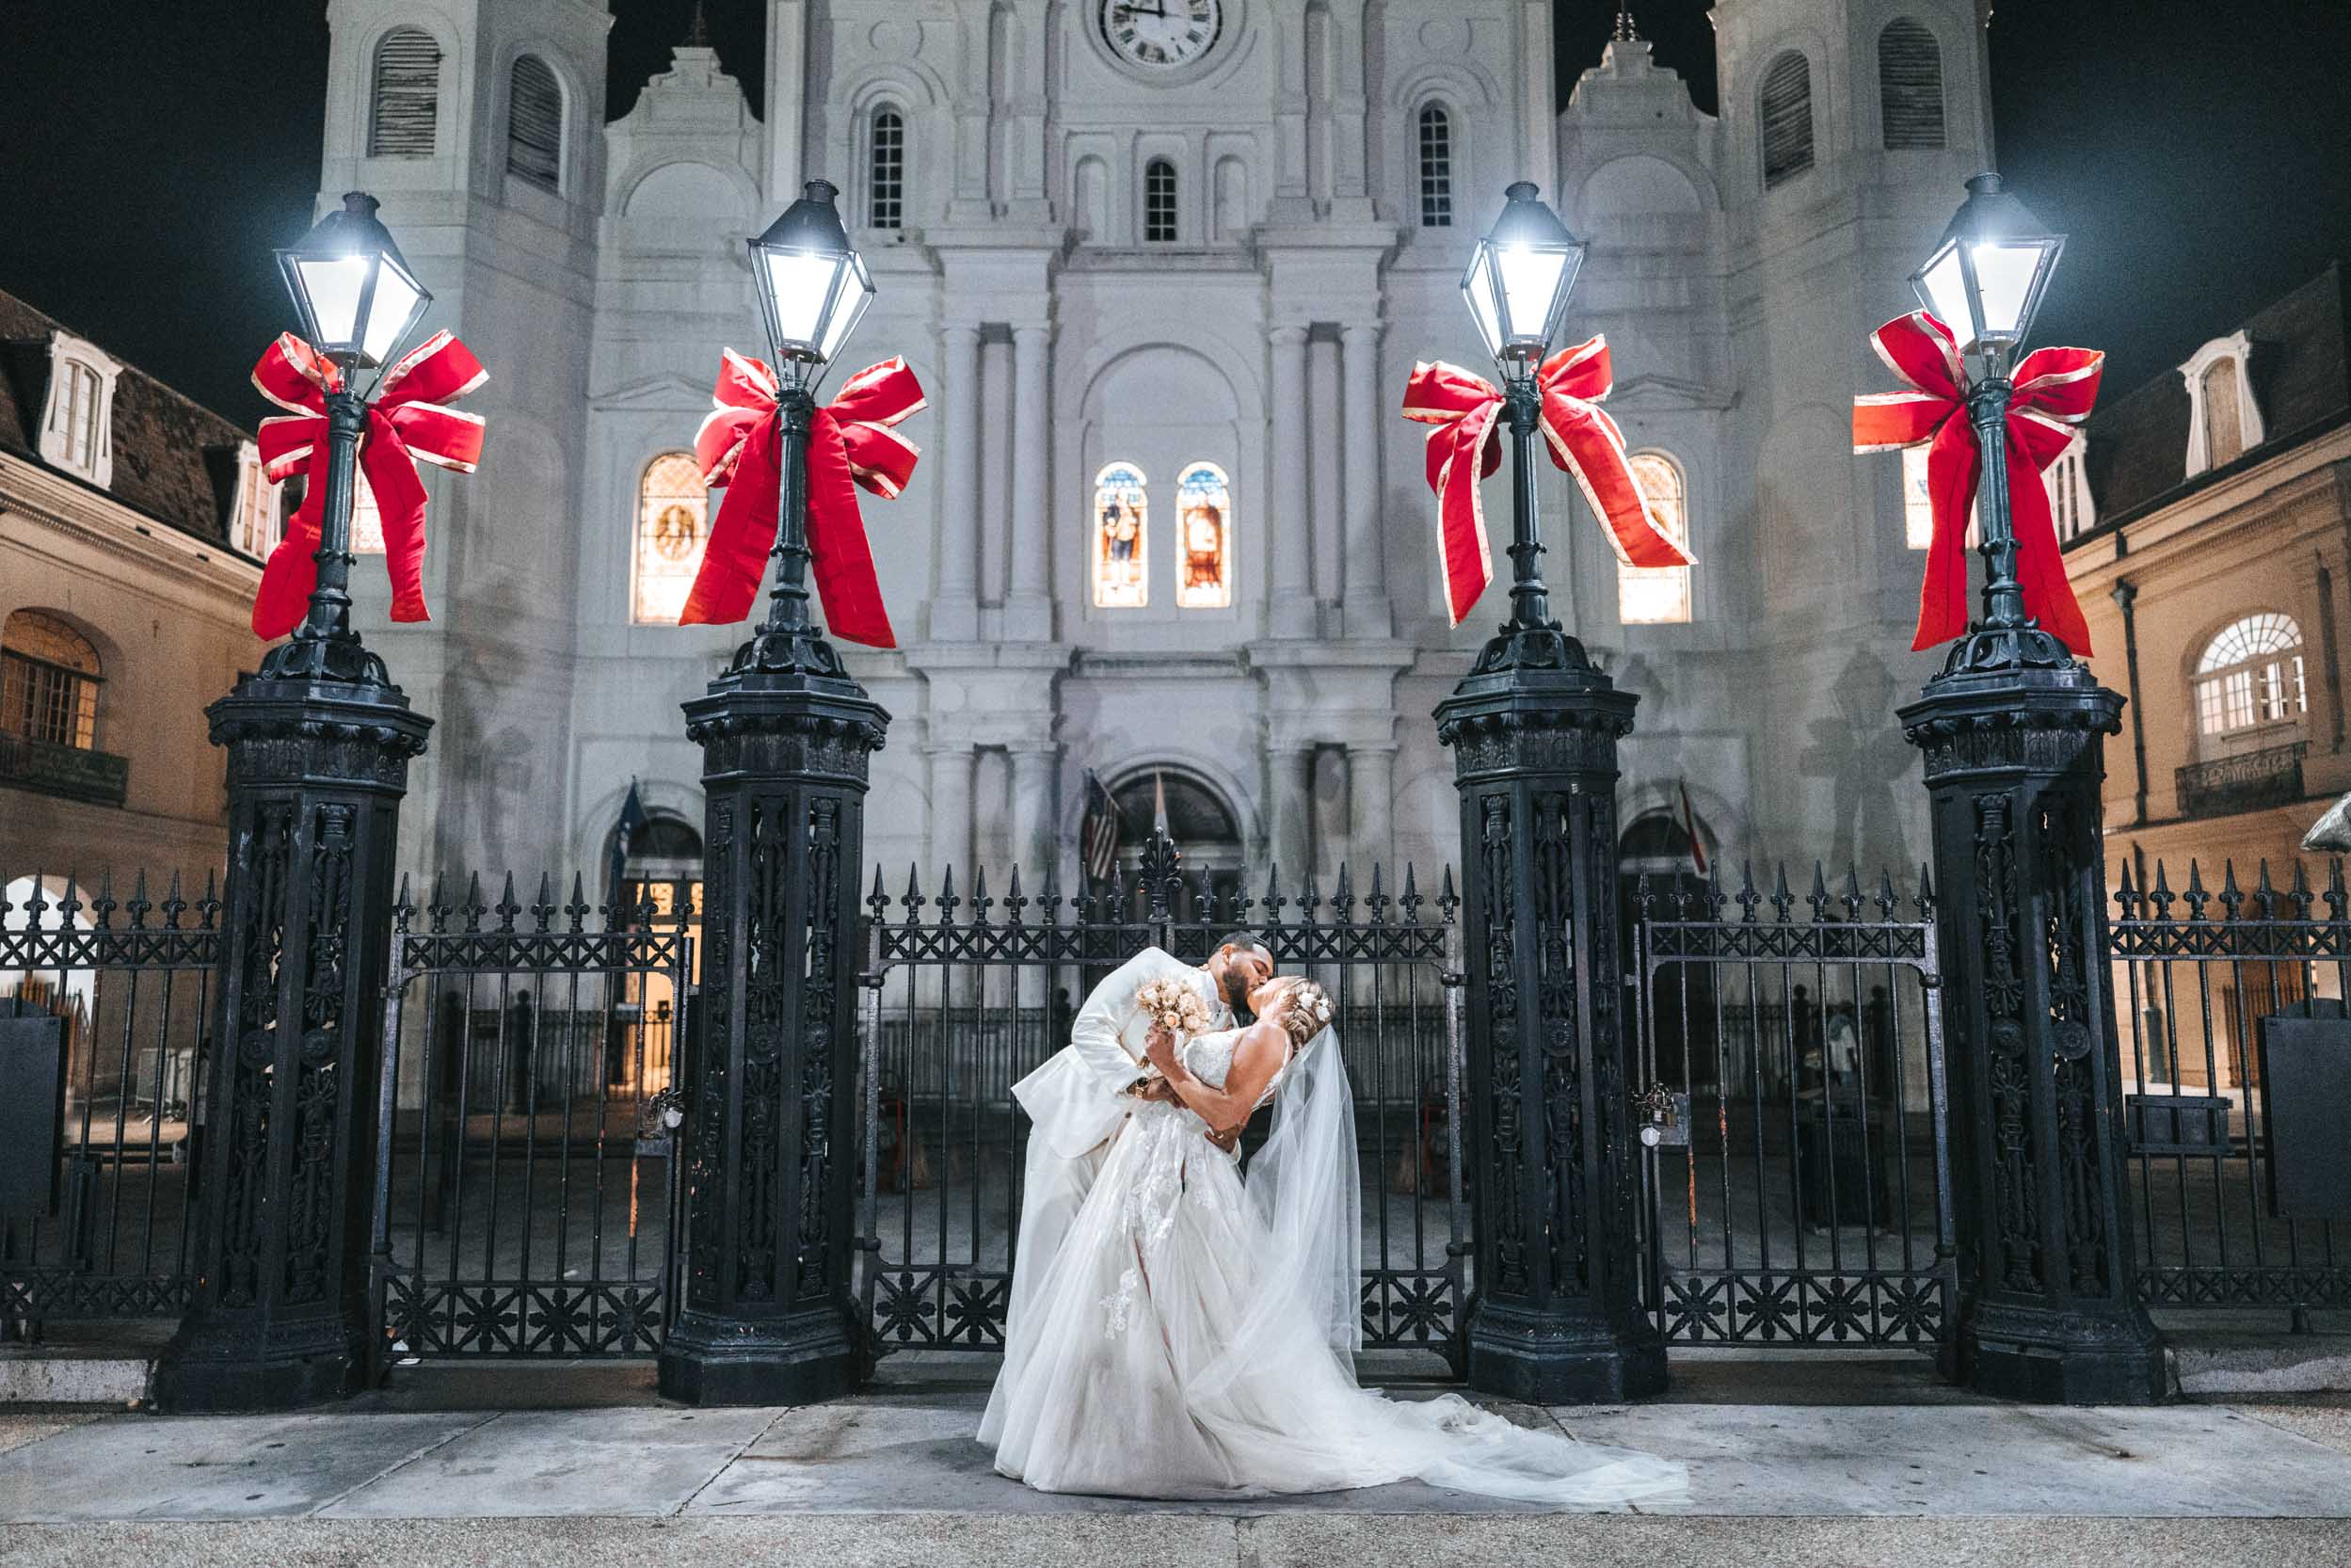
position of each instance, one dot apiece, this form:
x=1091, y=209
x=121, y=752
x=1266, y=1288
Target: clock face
x=1161, y=34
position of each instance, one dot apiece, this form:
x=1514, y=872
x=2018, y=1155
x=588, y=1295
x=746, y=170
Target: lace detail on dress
x=1172, y=1135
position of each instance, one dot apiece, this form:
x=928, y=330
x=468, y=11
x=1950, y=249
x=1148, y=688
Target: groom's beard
x=1235, y=989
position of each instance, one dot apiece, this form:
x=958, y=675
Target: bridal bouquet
x=1174, y=1005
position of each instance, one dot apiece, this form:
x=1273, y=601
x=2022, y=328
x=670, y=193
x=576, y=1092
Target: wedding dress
x=1193, y=1335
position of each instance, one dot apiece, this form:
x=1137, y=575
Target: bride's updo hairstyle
x=1305, y=1012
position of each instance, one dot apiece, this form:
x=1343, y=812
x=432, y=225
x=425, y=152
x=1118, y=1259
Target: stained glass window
x=673, y=513
x=1918, y=511
x=1122, y=539
x=1648, y=596
x=367, y=520
x=1203, y=544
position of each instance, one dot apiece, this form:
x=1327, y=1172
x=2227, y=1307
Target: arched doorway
x=1661, y=859
x=1200, y=820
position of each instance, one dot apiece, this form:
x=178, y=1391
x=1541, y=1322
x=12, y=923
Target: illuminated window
x=672, y=510
x=1436, y=168
x=1203, y=526
x=885, y=171
x=253, y=527
x=407, y=104
x=1918, y=511
x=367, y=521
x=1122, y=539
x=2224, y=424
x=1158, y=202
x=1652, y=596
x=2251, y=675
x=49, y=680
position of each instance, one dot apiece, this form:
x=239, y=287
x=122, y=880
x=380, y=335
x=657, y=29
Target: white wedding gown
x=1173, y=1350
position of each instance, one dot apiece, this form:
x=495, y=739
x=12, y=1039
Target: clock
x=1159, y=35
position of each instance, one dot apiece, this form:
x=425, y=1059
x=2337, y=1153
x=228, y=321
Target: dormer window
x=2070, y=503
x=253, y=521
x=2224, y=421
x=77, y=424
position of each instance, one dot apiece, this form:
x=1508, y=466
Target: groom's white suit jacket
x=1074, y=1098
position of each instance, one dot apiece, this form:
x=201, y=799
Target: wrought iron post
x=1534, y=727
x=785, y=736
x=2013, y=731
x=319, y=741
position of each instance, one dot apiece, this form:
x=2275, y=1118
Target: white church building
x=1163, y=275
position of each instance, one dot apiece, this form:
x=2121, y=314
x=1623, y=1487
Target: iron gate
x=965, y=1000
x=1795, y=1162
x=105, y=1013
x=526, y=1194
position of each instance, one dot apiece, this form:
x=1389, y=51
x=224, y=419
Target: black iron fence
x=105, y=1009
x=2203, y=978
x=967, y=995
x=1794, y=1153
x=526, y=1197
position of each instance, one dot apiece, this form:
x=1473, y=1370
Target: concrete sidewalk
x=894, y=1477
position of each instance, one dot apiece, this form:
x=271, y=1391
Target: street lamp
x=813, y=287
x=1517, y=285
x=1985, y=282
x=359, y=302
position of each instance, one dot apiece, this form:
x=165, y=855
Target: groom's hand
x=1159, y=1048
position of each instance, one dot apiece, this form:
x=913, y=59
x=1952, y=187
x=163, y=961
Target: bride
x=1193, y=1335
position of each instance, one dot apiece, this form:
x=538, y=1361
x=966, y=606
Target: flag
x=632, y=818
x=1098, y=835
x=1690, y=830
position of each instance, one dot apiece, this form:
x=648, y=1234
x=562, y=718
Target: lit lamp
x=1517, y=285
x=1984, y=281
x=812, y=284
x=359, y=302
x=813, y=287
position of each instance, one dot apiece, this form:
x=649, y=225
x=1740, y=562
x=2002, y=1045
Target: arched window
x=2224, y=417
x=49, y=679
x=672, y=510
x=886, y=171
x=1910, y=85
x=2251, y=675
x=1436, y=168
x=535, y=123
x=1158, y=202
x=1204, y=538
x=1652, y=596
x=1787, y=117
x=405, y=108
x=1122, y=539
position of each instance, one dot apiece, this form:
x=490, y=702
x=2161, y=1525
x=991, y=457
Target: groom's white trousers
x=1053, y=1189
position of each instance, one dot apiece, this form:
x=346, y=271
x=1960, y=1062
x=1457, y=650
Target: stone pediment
x=657, y=394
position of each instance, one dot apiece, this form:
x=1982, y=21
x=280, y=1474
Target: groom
x=1079, y=1097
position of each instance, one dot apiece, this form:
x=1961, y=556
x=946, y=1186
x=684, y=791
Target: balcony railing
x=2246, y=782
x=68, y=771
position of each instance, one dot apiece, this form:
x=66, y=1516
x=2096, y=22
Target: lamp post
x=1534, y=727
x=319, y=741
x=2013, y=735
x=786, y=734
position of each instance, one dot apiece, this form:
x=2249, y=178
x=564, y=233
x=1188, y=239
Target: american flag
x=1098, y=835
x=1689, y=827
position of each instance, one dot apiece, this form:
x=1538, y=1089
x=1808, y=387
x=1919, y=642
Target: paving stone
x=16, y=1431
x=563, y=1462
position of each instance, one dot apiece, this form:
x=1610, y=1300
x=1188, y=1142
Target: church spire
x=1626, y=31
x=698, y=30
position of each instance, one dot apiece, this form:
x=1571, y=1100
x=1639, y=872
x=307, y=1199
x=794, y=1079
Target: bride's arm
x=1257, y=1057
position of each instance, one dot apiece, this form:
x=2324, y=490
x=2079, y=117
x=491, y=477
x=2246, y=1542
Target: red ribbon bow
x=2055, y=388
x=850, y=444
x=405, y=423
x=1584, y=440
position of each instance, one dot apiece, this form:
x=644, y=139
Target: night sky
x=153, y=151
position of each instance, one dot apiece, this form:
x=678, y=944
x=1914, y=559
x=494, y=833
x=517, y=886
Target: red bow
x=1463, y=449
x=2055, y=388
x=405, y=423
x=850, y=443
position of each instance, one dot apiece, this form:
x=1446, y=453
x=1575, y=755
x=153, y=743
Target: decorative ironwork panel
x=1801, y=1195
x=2246, y=782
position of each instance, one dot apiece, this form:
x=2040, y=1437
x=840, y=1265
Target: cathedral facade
x=1163, y=273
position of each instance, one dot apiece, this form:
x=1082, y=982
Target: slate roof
x=174, y=459
x=2301, y=373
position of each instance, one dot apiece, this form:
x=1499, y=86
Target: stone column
x=955, y=603
x=1370, y=805
x=1028, y=602
x=1290, y=613
x=1534, y=728
x=787, y=736
x=950, y=764
x=1366, y=612
x=1033, y=848
x=1291, y=798
x=2049, y=1311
